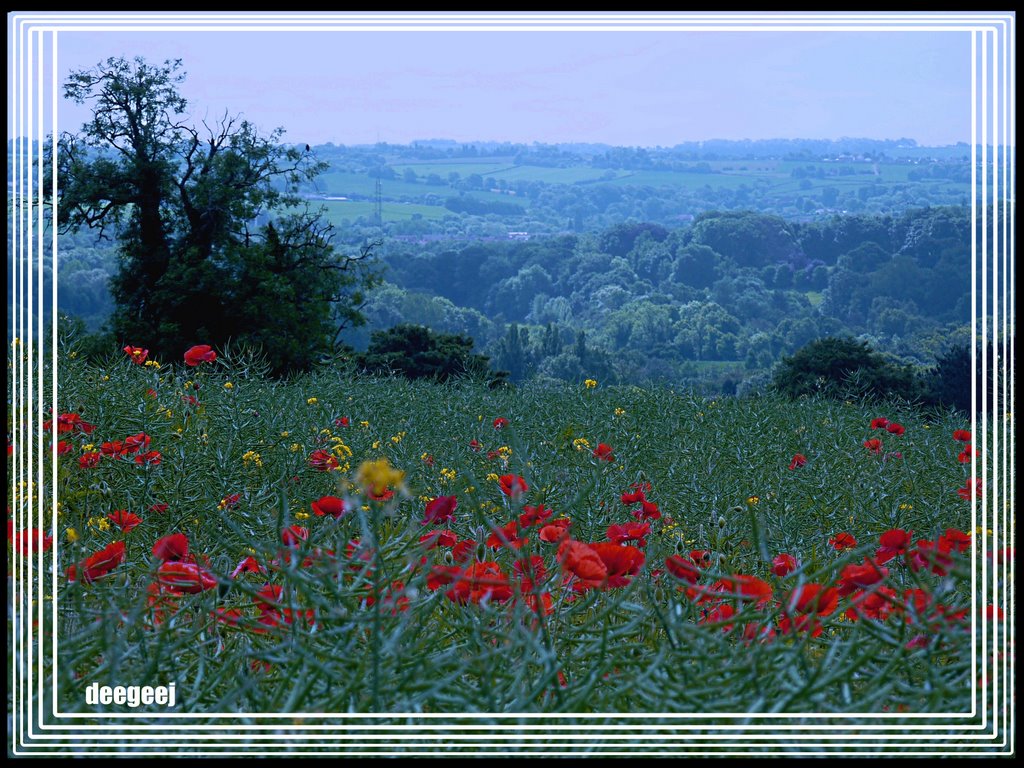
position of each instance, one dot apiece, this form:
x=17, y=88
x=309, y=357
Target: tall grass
x=378, y=639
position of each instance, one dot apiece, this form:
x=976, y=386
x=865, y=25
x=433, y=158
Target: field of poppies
x=336, y=544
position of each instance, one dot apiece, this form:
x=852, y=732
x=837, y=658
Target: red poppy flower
x=428, y=459
x=812, y=598
x=583, y=562
x=70, y=422
x=861, y=576
x=513, y=485
x=783, y=564
x=475, y=445
x=124, y=519
x=137, y=355
x=441, y=576
x=329, y=505
x=98, y=564
x=89, y=460
x=136, y=443
x=185, y=578
x=622, y=562
x=63, y=447
x=966, y=456
x=114, y=448
x=507, y=536
x=956, y=539
x=534, y=515
x=440, y=510
x=893, y=542
x=148, y=458
x=719, y=614
x=842, y=541
x=481, y=582
x=294, y=535
x=895, y=429
x=201, y=353
x=746, y=588
x=500, y=423
x=322, y=461
x=682, y=568
x=464, y=550
x=633, y=498
x=648, y=511
x=386, y=495
x=555, y=530
x=619, y=534
x=30, y=540
x=962, y=435
x=701, y=557
x=932, y=555
x=874, y=445
x=798, y=461
x=441, y=538
x=880, y=423
x=342, y=422
x=972, y=488
x=248, y=565
x=877, y=604
x=158, y=508
x=603, y=452
x=189, y=400
x=173, y=547
x=530, y=571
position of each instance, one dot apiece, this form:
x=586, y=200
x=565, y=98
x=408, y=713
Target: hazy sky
x=625, y=88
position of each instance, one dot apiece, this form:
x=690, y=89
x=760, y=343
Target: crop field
x=338, y=544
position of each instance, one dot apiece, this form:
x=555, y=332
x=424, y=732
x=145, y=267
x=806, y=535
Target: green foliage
x=639, y=648
x=182, y=201
x=949, y=382
x=416, y=352
x=843, y=368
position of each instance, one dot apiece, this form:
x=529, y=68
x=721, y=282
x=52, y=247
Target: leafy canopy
x=215, y=245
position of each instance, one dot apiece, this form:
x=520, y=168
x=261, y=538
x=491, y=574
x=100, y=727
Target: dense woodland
x=700, y=265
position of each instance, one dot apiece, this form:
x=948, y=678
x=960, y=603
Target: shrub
x=843, y=368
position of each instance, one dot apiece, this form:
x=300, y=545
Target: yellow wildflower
x=312, y=401
x=375, y=476
x=228, y=385
x=72, y=535
x=589, y=383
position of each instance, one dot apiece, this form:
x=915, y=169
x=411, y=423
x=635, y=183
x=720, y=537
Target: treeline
x=720, y=301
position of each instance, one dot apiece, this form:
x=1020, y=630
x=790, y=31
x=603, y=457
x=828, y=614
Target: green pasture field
x=361, y=618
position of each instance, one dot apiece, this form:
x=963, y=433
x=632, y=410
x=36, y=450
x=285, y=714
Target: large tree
x=215, y=243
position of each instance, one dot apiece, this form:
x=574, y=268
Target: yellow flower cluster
x=620, y=411
x=581, y=444
x=375, y=476
x=100, y=523
x=447, y=475
x=251, y=457
x=396, y=439
x=312, y=401
x=72, y=535
x=151, y=364
x=228, y=385
x=590, y=384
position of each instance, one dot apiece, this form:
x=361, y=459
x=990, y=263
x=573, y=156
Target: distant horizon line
x=902, y=142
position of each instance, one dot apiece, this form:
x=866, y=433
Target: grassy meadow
x=333, y=544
